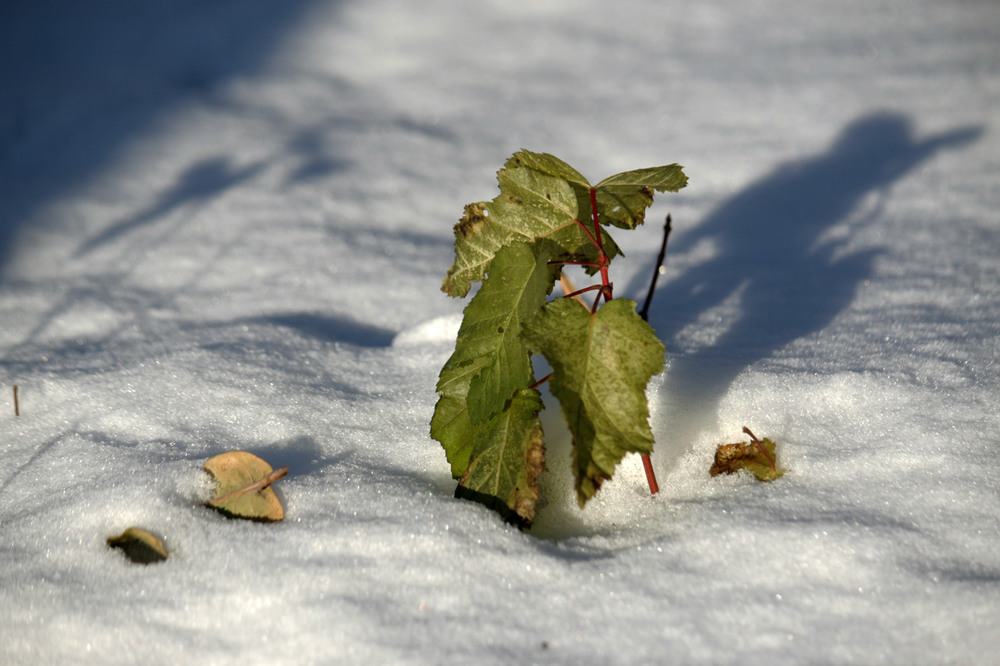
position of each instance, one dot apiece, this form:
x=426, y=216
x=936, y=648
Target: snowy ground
x=224, y=226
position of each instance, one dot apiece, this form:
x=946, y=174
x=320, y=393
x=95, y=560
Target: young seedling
x=547, y=216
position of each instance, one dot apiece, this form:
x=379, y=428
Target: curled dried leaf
x=244, y=489
x=756, y=456
x=139, y=545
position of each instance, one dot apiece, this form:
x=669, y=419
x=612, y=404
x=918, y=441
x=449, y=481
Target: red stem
x=602, y=259
x=650, y=474
x=590, y=236
x=760, y=447
x=606, y=289
x=582, y=291
x=540, y=381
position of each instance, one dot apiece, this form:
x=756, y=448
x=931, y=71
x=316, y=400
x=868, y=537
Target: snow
x=224, y=226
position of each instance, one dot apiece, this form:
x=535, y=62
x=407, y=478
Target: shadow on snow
x=86, y=78
x=777, y=273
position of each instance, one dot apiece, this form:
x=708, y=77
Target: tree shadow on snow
x=86, y=78
x=200, y=182
x=780, y=271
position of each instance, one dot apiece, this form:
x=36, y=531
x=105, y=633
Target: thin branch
x=252, y=488
x=576, y=293
x=760, y=447
x=644, y=313
x=590, y=236
x=647, y=465
x=602, y=258
x=606, y=291
x=569, y=288
x=540, y=381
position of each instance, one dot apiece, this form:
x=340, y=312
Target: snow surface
x=224, y=226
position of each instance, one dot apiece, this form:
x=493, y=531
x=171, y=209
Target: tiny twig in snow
x=760, y=447
x=644, y=313
x=252, y=488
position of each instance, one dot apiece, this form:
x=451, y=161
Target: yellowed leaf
x=139, y=545
x=244, y=489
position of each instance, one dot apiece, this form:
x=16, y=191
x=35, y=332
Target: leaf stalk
x=607, y=290
x=602, y=258
x=760, y=447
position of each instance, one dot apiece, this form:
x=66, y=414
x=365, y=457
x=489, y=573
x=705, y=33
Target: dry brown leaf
x=756, y=456
x=139, y=545
x=244, y=486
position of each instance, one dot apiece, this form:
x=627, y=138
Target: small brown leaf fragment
x=139, y=545
x=244, y=486
x=534, y=457
x=755, y=456
x=474, y=217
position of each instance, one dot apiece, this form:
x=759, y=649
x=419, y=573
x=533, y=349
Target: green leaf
x=506, y=459
x=551, y=165
x=244, y=489
x=452, y=426
x=486, y=417
x=490, y=361
x=756, y=456
x=622, y=199
x=139, y=545
x=601, y=363
x=490, y=336
x=536, y=201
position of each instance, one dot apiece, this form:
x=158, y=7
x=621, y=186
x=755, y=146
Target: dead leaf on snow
x=244, y=489
x=756, y=456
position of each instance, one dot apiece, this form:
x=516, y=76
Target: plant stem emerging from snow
x=644, y=313
x=606, y=290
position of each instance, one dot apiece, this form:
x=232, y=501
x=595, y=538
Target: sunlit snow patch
x=440, y=329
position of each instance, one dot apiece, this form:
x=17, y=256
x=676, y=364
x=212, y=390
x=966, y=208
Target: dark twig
x=17, y=408
x=644, y=313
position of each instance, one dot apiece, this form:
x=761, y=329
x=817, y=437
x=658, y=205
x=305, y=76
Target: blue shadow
x=80, y=79
x=776, y=261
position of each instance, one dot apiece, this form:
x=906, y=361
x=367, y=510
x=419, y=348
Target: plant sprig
x=546, y=216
